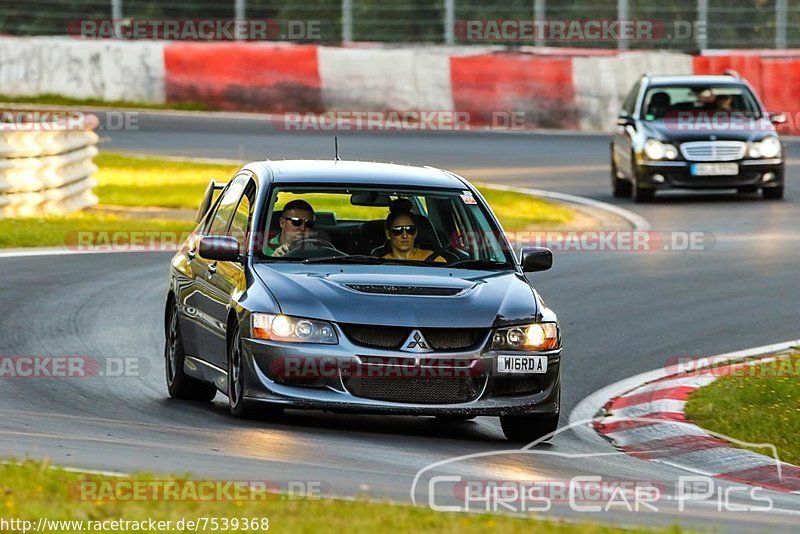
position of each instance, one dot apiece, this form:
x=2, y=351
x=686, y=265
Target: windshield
x=676, y=100
x=437, y=228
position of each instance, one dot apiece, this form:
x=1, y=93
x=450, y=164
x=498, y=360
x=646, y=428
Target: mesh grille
x=406, y=290
x=509, y=386
x=713, y=150
x=392, y=337
x=416, y=390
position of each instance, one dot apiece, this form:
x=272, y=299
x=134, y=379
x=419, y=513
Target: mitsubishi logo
x=416, y=342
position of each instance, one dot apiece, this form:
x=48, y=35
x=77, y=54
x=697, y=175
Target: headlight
x=293, y=329
x=537, y=336
x=769, y=147
x=655, y=149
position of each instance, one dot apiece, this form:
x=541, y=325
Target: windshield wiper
x=353, y=258
x=479, y=264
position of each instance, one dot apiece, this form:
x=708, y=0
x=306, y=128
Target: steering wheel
x=446, y=254
x=314, y=244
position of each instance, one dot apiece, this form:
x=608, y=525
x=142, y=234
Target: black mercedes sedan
x=695, y=132
x=361, y=287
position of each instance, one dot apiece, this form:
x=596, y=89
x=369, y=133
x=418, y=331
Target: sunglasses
x=299, y=221
x=398, y=230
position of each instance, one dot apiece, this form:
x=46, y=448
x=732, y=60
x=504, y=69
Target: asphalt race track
x=622, y=313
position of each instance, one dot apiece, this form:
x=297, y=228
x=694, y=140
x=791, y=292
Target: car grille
x=392, y=337
x=713, y=150
x=406, y=290
x=509, y=386
x=416, y=390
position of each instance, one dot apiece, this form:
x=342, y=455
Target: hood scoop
x=383, y=289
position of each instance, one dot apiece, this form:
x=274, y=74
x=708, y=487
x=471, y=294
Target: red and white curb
x=648, y=422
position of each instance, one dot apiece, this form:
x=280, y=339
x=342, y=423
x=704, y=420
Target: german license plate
x=714, y=169
x=522, y=364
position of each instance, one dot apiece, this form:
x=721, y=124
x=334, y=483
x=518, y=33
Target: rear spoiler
x=208, y=198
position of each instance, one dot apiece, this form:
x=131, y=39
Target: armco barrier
x=244, y=76
x=539, y=86
x=46, y=168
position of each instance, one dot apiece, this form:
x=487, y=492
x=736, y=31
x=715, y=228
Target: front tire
x=620, y=187
x=239, y=406
x=179, y=384
x=528, y=428
x=773, y=193
x=641, y=195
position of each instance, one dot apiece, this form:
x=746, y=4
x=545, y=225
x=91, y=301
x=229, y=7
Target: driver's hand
x=281, y=250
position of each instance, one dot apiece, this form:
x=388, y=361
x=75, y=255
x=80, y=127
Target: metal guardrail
x=46, y=167
x=711, y=24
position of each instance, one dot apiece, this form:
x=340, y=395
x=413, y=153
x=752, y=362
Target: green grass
x=758, y=406
x=57, y=231
x=32, y=490
x=518, y=211
x=135, y=182
x=49, y=99
x=151, y=181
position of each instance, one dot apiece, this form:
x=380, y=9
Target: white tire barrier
x=47, y=168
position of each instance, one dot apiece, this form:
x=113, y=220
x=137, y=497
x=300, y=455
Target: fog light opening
x=768, y=177
x=658, y=178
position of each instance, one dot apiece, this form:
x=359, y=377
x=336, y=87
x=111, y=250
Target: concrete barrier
x=553, y=87
x=46, y=169
x=244, y=76
x=108, y=70
x=376, y=79
x=602, y=83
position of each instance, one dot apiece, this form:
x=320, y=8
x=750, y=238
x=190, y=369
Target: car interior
x=367, y=237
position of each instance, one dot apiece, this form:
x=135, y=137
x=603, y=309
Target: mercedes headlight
x=537, y=336
x=655, y=149
x=293, y=329
x=769, y=147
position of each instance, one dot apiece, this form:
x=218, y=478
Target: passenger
x=724, y=103
x=401, y=231
x=297, y=221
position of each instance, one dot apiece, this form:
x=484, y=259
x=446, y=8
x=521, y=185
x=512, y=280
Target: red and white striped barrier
x=649, y=422
x=554, y=87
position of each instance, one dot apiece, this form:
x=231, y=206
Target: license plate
x=714, y=169
x=522, y=364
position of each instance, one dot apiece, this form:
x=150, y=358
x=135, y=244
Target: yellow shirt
x=417, y=254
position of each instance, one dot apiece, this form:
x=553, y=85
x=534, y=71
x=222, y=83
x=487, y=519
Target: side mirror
x=624, y=120
x=219, y=248
x=777, y=118
x=535, y=259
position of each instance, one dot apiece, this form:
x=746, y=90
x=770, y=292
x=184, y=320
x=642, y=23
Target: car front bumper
x=676, y=174
x=348, y=378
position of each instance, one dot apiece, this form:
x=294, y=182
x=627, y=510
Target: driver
x=401, y=232
x=296, y=222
